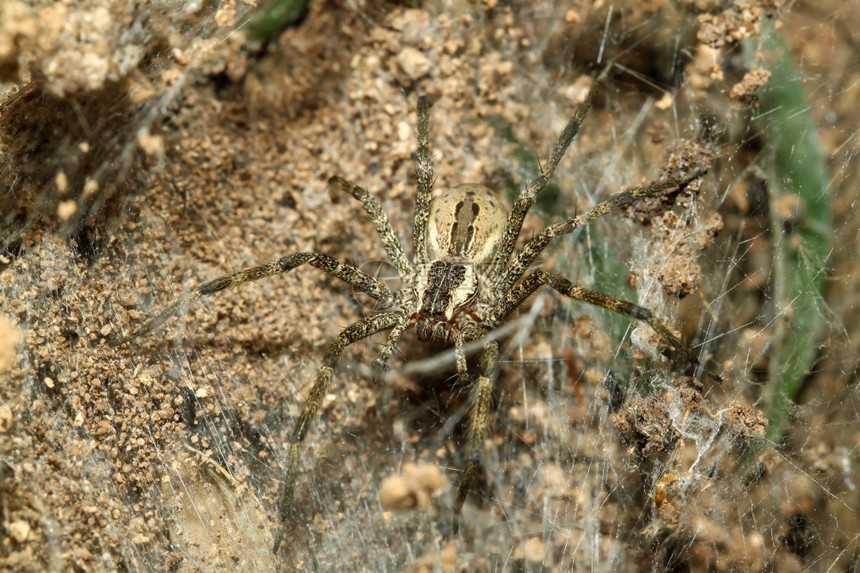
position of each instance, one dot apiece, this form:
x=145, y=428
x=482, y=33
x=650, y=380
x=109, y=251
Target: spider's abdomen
x=465, y=224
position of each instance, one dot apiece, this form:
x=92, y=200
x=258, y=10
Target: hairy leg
x=425, y=182
x=343, y=271
x=380, y=222
x=349, y=335
x=537, y=244
x=380, y=363
x=481, y=400
x=564, y=286
x=527, y=195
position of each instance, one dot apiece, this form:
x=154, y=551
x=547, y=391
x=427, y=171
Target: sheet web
x=182, y=152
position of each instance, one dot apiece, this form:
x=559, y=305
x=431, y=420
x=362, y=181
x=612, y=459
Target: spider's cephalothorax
x=462, y=282
x=465, y=225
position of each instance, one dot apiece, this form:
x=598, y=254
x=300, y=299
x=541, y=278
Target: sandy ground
x=138, y=165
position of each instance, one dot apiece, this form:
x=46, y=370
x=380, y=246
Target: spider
x=462, y=282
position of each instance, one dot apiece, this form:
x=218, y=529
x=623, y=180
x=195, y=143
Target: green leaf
x=275, y=16
x=797, y=174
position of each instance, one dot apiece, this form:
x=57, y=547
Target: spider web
x=146, y=150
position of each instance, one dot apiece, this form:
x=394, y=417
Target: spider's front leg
x=351, y=334
x=383, y=357
x=480, y=399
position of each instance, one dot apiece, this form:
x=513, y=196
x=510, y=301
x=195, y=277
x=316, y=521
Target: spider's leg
x=424, y=163
x=537, y=244
x=460, y=359
x=347, y=336
x=479, y=423
x=380, y=222
x=358, y=279
x=380, y=363
x=538, y=278
x=527, y=195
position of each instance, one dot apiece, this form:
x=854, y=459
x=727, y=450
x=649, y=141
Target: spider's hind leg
x=424, y=164
x=527, y=195
x=380, y=221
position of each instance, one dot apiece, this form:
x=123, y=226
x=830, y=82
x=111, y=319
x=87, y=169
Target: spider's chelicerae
x=462, y=282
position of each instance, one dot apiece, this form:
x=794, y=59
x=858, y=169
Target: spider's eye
x=466, y=223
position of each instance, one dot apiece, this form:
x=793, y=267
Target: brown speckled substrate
x=168, y=454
